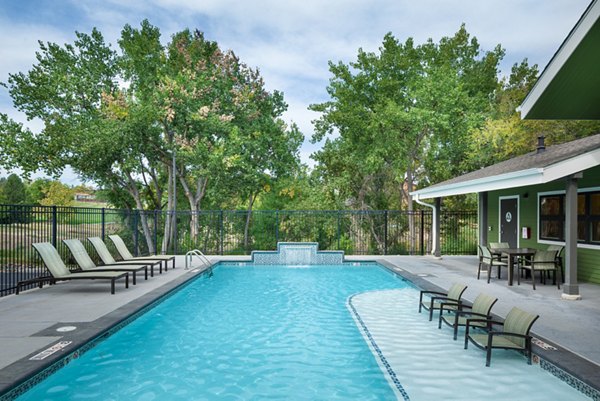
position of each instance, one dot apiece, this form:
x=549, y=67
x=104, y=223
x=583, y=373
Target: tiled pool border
x=159, y=295
x=366, y=333
x=571, y=380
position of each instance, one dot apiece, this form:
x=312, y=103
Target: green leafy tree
x=2, y=182
x=74, y=90
x=265, y=153
x=14, y=191
x=404, y=116
x=166, y=131
x=220, y=123
x=57, y=194
x=36, y=190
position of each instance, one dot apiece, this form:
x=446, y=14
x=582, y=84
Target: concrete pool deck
x=29, y=322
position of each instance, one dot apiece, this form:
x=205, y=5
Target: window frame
x=587, y=218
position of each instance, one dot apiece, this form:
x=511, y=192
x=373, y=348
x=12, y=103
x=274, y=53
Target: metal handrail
x=198, y=253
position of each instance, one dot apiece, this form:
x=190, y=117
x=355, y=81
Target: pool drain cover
x=65, y=329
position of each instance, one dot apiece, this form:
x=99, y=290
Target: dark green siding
x=588, y=260
x=587, y=265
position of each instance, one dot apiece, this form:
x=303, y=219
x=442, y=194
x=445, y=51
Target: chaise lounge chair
x=87, y=264
x=108, y=259
x=437, y=298
x=514, y=335
x=59, y=270
x=127, y=256
x=481, y=309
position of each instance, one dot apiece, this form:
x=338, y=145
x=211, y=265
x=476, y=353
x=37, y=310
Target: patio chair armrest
x=448, y=301
x=471, y=313
x=429, y=293
x=469, y=321
x=537, y=262
x=451, y=305
x=444, y=298
x=468, y=327
x=489, y=322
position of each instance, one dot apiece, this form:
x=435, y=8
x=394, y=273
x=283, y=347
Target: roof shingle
x=552, y=155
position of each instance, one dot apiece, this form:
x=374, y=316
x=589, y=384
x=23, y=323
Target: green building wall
x=588, y=259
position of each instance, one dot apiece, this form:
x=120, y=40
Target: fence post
x=103, y=230
x=276, y=227
x=339, y=228
x=174, y=230
x=385, y=233
x=54, y=225
x=221, y=228
x=422, y=232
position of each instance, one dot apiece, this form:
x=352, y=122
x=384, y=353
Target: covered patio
x=556, y=169
x=567, y=89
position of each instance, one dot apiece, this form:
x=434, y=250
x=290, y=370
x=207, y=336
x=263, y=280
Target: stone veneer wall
x=297, y=254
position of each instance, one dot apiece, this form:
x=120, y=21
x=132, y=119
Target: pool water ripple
x=432, y=366
x=252, y=333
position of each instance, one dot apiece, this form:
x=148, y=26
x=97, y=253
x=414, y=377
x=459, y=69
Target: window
x=594, y=218
x=552, y=217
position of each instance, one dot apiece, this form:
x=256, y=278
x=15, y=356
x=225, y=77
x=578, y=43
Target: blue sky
x=290, y=41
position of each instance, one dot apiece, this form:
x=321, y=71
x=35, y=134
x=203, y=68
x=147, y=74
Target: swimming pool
x=265, y=332
x=245, y=333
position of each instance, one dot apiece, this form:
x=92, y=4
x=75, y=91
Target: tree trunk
x=194, y=200
x=135, y=193
x=378, y=240
x=168, y=216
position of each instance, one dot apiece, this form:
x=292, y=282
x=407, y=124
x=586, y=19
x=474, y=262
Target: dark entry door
x=509, y=221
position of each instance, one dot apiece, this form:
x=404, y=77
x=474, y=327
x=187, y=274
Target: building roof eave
x=515, y=179
x=503, y=181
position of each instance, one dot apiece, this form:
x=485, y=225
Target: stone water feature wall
x=297, y=254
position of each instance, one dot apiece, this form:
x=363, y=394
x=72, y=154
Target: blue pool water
x=246, y=333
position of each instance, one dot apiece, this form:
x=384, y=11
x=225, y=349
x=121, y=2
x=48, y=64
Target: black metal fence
x=386, y=232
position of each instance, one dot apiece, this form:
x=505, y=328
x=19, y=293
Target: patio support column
x=482, y=209
x=437, y=252
x=571, y=288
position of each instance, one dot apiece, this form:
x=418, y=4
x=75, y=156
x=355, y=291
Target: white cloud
x=20, y=42
x=292, y=41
